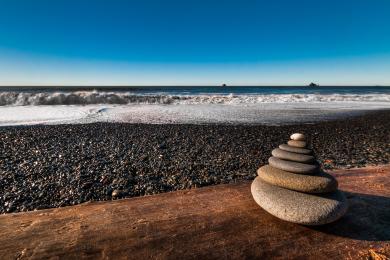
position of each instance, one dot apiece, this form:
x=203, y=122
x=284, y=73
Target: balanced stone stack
x=294, y=188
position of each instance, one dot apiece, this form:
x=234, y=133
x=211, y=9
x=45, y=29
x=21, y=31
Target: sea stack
x=294, y=188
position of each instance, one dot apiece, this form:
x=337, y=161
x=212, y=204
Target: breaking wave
x=122, y=98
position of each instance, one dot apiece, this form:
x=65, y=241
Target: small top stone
x=298, y=137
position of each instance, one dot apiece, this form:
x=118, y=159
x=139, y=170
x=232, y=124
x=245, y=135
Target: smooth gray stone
x=319, y=183
x=300, y=144
x=293, y=149
x=298, y=137
x=294, y=167
x=295, y=157
x=297, y=207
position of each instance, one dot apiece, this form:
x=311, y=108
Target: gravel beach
x=48, y=166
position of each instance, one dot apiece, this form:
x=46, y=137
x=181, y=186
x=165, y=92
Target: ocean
x=180, y=105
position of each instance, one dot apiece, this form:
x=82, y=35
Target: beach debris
x=294, y=188
x=377, y=256
x=119, y=193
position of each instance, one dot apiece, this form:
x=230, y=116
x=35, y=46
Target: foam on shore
x=265, y=113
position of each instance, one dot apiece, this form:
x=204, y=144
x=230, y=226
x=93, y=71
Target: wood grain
x=219, y=221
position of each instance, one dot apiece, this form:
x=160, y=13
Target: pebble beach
x=48, y=166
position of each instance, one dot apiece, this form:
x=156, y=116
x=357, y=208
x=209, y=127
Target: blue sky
x=194, y=42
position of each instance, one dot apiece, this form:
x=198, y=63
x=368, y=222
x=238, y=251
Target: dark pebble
x=61, y=165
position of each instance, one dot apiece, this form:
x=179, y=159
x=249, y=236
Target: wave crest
x=122, y=98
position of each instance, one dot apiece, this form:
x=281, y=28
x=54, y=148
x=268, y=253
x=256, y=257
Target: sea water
x=196, y=105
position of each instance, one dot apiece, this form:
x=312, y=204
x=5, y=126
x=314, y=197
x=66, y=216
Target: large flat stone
x=297, y=207
x=296, y=157
x=294, y=167
x=320, y=183
x=293, y=149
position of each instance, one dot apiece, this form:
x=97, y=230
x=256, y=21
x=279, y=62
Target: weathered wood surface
x=214, y=222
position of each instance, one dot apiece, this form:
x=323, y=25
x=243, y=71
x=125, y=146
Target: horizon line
x=199, y=85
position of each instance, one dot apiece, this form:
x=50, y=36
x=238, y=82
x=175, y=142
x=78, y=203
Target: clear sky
x=194, y=42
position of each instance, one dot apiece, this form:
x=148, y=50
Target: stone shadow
x=367, y=218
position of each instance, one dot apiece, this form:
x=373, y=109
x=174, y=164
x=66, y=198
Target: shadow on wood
x=221, y=221
x=368, y=218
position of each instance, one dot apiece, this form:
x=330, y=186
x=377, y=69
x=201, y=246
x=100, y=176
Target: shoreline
x=163, y=114
x=48, y=166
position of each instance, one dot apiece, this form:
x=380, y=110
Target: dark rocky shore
x=54, y=166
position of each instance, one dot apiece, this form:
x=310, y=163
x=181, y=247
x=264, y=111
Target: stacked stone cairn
x=294, y=188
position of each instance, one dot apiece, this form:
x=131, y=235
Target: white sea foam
x=10, y=98
x=264, y=113
x=30, y=115
x=50, y=107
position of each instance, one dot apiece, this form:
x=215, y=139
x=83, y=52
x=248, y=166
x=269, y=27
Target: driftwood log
x=214, y=222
